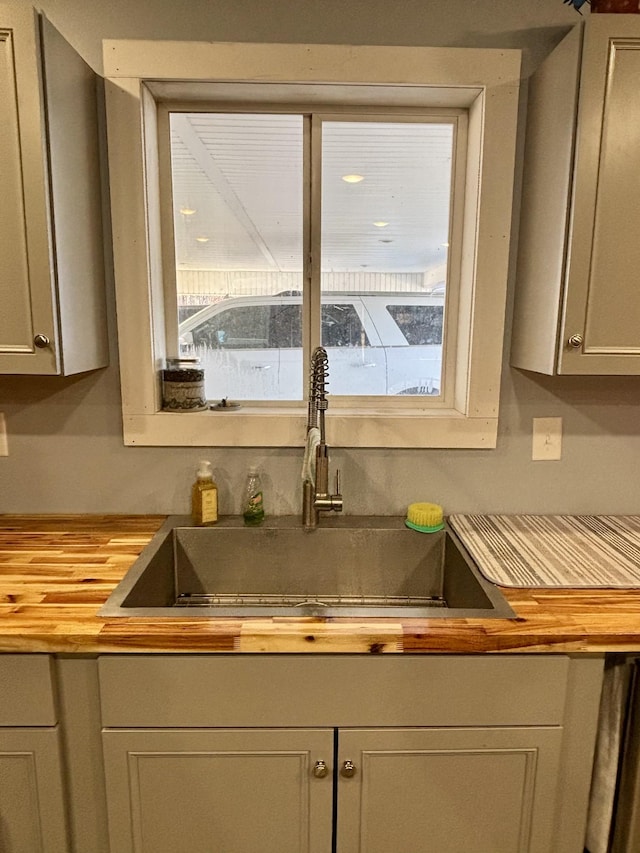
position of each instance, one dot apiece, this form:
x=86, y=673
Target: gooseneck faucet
x=315, y=487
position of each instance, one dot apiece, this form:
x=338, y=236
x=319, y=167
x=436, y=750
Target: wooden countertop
x=57, y=571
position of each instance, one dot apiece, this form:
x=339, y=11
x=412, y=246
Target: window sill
x=260, y=427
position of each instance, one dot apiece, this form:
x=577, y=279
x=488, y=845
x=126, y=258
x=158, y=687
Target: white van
x=378, y=344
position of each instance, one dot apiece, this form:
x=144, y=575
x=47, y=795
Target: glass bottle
x=252, y=499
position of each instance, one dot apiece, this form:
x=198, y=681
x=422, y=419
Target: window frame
x=483, y=81
x=314, y=117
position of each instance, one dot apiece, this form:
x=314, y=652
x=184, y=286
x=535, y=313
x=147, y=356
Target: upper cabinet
x=577, y=308
x=53, y=317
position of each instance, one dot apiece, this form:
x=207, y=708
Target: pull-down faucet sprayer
x=315, y=487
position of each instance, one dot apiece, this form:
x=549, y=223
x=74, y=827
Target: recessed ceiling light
x=187, y=211
x=381, y=223
x=202, y=239
x=385, y=241
x=353, y=179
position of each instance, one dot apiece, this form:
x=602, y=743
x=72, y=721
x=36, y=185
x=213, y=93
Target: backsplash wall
x=64, y=435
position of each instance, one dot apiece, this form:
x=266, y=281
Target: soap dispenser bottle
x=252, y=499
x=204, y=497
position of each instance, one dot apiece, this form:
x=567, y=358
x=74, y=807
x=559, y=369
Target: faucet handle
x=335, y=500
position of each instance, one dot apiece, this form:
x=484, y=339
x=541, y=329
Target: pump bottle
x=204, y=497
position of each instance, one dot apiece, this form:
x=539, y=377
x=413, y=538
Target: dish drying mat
x=595, y=551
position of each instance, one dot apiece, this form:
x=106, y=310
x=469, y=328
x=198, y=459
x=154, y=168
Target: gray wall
x=65, y=444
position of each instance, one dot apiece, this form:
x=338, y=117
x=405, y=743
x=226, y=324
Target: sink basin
x=363, y=567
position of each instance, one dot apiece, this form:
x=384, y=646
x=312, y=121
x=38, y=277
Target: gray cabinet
x=53, y=317
x=32, y=802
x=425, y=790
x=191, y=791
x=434, y=754
x=490, y=790
x=577, y=306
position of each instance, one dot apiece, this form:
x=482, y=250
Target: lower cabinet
x=32, y=797
x=298, y=753
x=196, y=791
x=486, y=790
x=490, y=790
x=32, y=805
x=348, y=753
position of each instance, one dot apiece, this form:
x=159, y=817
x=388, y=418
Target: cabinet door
x=447, y=790
x=237, y=791
x=602, y=304
x=25, y=280
x=577, y=304
x=32, y=812
x=53, y=317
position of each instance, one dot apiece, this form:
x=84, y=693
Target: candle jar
x=183, y=386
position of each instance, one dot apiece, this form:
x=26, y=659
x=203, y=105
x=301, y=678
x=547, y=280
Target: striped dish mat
x=554, y=550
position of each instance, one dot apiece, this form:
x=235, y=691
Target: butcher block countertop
x=57, y=571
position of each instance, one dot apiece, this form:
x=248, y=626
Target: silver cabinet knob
x=320, y=770
x=348, y=768
x=41, y=341
x=575, y=341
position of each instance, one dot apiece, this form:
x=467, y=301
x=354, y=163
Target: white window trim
x=317, y=114
x=485, y=81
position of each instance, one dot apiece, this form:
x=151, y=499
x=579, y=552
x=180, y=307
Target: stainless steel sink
x=350, y=566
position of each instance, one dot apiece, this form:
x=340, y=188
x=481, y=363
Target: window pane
x=386, y=190
x=238, y=226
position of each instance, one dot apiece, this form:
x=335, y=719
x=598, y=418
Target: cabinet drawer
x=26, y=694
x=319, y=690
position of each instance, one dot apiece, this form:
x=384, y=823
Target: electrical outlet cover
x=547, y=439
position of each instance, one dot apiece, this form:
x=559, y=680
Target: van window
x=237, y=327
x=420, y=324
x=276, y=327
x=341, y=327
x=255, y=351
x=286, y=326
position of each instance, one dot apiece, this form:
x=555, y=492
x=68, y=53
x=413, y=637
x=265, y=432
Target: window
x=239, y=181
x=265, y=223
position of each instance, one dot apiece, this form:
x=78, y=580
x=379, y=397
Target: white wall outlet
x=547, y=439
x=4, y=444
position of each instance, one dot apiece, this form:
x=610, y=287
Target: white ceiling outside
x=242, y=175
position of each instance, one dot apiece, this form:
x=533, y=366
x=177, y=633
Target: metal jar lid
x=177, y=363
